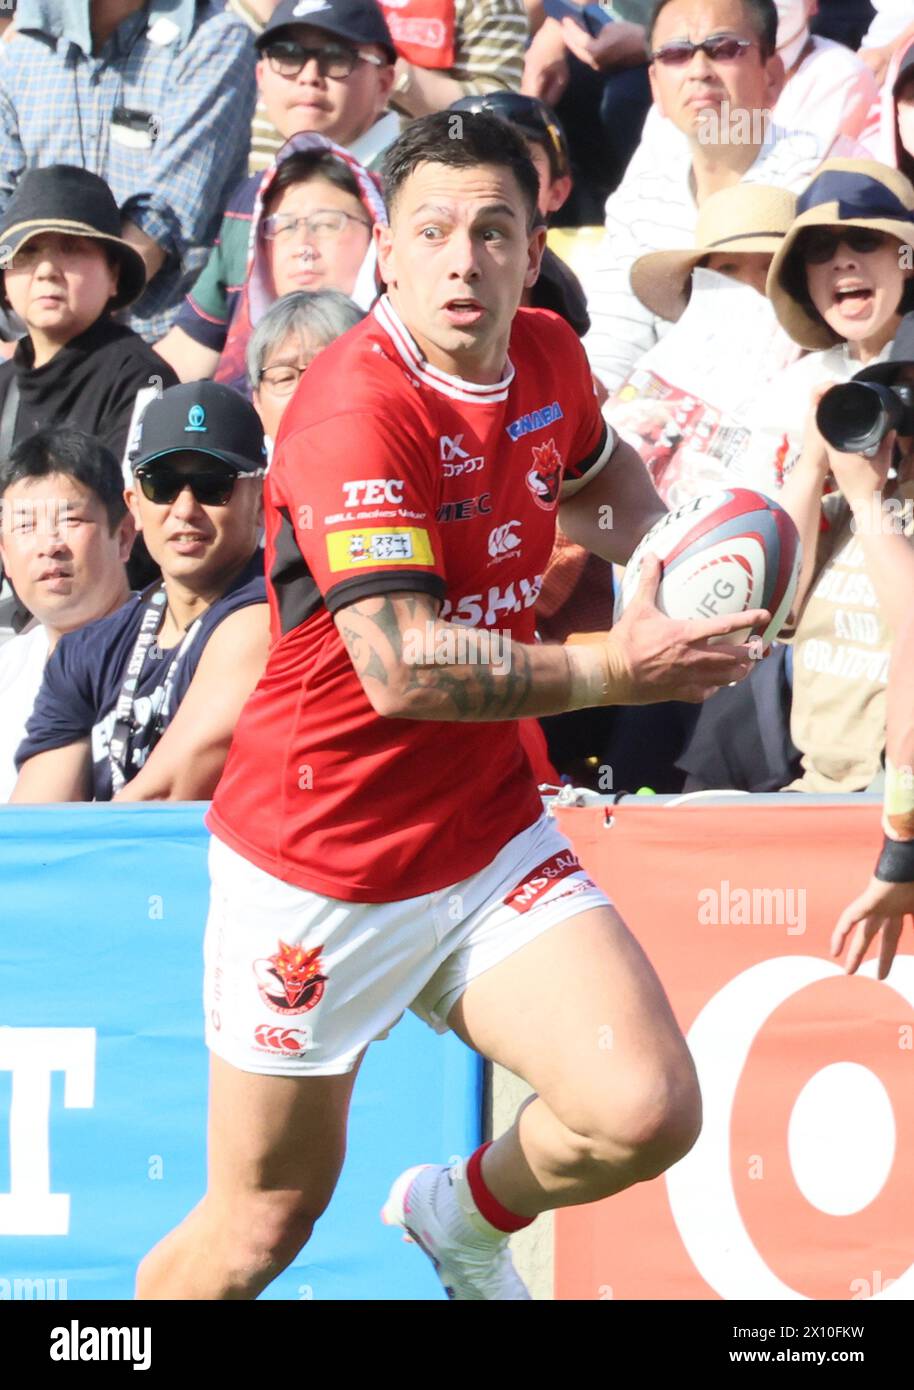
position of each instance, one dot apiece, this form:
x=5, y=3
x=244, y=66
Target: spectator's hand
x=546, y=65
x=618, y=45
x=814, y=453
x=671, y=659
x=881, y=907
x=862, y=479
x=877, y=60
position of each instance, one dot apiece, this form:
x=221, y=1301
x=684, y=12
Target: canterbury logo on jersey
x=369, y=492
x=535, y=420
x=504, y=539
x=378, y=545
x=466, y=508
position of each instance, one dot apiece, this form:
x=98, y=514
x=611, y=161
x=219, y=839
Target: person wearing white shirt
x=720, y=100
x=65, y=537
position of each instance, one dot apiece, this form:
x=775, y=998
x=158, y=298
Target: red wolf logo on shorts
x=291, y=981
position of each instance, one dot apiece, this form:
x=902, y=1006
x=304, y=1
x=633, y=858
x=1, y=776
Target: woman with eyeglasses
x=285, y=343
x=310, y=230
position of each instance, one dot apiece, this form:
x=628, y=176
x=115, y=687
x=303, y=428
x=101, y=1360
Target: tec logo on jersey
x=291, y=981
x=369, y=492
x=545, y=477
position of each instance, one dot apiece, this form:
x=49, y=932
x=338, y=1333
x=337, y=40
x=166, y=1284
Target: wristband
x=588, y=667
x=615, y=687
x=896, y=862
x=898, y=802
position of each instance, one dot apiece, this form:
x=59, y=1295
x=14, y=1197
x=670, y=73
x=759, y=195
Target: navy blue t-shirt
x=83, y=679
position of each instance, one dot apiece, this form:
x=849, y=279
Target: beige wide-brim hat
x=842, y=193
x=746, y=217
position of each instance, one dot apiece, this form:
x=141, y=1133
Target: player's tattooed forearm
x=379, y=634
x=365, y=659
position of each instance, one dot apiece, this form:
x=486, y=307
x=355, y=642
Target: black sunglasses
x=287, y=58
x=817, y=245
x=211, y=487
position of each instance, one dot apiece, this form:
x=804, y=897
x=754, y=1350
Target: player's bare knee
x=650, y=1127
x=270, y=1229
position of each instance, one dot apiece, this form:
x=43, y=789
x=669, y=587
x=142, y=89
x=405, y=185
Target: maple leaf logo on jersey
x=545, y=477
x=291, y=981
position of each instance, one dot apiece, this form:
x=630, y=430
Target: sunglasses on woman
x=212, y=487
x=724, y=48
x=819, y=244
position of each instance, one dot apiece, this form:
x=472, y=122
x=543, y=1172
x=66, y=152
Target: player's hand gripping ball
x=725, y=553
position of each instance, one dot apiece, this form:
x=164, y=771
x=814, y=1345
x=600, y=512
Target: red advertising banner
x=800, y=1186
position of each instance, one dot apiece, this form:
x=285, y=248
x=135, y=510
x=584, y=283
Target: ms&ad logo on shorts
x=545, y=876
x=291, y=981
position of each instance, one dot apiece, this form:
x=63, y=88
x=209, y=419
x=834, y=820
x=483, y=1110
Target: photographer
x=855, y=588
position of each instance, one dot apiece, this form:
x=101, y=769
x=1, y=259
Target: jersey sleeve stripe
x=370, y=585
x=578, y=475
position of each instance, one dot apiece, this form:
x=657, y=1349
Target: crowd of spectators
x=188, y=191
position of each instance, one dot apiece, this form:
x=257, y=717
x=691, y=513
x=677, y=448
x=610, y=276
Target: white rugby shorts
x=299, y=984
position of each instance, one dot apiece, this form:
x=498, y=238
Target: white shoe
x=433, y=1205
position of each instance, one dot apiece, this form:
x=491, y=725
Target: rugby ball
x=723, y=553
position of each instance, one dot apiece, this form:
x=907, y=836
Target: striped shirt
x=654, y=209
x=56, y=105
x=266, y=141
x=490, y=39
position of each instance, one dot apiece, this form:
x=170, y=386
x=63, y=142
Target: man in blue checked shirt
x=157, y=98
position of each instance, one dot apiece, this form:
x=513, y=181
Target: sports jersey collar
x=453, y=386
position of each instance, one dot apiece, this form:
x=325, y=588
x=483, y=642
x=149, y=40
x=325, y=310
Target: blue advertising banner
x=103, y=1070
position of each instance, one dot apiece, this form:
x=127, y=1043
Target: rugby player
x=378, y=839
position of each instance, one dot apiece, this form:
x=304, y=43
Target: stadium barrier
x=797, y=1188
x=103, y=1070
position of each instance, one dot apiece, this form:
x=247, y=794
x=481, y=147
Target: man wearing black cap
x=341, y=91
x=185, y=654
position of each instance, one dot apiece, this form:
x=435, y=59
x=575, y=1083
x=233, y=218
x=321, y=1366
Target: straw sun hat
x=843, y=193
x=743, y=218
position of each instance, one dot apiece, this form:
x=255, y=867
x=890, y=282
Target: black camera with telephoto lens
x=856, y=416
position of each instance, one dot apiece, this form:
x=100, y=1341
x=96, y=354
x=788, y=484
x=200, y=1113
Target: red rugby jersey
x=392, y=475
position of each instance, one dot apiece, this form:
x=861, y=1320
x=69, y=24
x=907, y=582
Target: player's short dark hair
x=762, y=14
x=461, y=140
x=75, y=454
x=304, y=165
